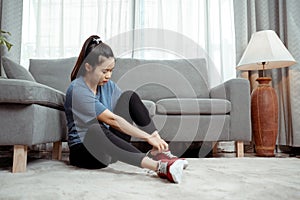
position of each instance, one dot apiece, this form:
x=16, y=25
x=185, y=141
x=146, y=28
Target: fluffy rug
x=206, y=178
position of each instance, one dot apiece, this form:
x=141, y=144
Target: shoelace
x=169, y=154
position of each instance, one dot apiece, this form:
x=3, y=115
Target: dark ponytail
x=90, y=52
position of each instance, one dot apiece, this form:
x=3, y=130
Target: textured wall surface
x=11, y=20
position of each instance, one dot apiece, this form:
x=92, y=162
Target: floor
x=207, y=178
x=190, y=151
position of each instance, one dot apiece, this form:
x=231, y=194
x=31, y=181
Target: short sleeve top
x=82, y=106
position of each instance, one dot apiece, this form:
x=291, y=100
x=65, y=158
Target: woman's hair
x=90, y=53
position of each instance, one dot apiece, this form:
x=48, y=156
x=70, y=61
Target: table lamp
x=265, y=51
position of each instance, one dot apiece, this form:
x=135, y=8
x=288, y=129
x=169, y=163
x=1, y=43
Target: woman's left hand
x=155, y=140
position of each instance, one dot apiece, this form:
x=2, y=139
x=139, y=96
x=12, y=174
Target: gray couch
x=183, y=106
x=177, y=94
x=31, y=113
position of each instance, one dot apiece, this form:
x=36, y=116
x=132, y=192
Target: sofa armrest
x=237, y=91
x=29, y=92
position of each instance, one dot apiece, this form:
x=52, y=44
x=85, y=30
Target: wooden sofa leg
x=239, y=148
x=214, y=148
x=19, y=158
x=56, y=151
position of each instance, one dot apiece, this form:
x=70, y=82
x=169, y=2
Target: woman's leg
x=131, y=108
x=101, y=141
x=81, y=157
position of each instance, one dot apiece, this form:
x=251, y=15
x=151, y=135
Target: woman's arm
x=123, y=126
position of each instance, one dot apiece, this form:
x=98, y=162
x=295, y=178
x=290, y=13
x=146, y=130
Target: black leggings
x=102, y=146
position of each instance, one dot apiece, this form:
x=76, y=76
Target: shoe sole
x=176, y=170
x=185, y=164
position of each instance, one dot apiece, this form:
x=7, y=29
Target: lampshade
x=265, y=46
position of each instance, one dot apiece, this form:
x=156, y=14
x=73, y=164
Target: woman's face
x=100, y=74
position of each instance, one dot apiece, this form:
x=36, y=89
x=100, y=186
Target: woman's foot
x=170, y=169
x=166, y=155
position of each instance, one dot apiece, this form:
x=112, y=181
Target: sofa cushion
x=15, y=71
x=53, y=72
x=28, y=92
x=190, y=106
x=160, y=79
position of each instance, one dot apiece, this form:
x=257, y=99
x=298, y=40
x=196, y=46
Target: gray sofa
x=177, y=94
x=31, y=113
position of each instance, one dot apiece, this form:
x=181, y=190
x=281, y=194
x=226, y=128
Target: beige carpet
x=209, y=178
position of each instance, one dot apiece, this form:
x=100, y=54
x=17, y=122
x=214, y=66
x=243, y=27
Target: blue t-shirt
x=82, y=106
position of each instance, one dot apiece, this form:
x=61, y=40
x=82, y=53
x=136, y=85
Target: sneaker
x=168, y=156
x=171, y=170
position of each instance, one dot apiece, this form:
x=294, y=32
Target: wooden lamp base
x=264, y=109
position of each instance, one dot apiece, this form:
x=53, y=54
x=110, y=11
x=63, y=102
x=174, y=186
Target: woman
x=100, y=119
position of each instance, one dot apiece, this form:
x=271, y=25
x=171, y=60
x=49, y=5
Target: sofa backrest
x=53, y=72
x=151, y=79
x=157, y=79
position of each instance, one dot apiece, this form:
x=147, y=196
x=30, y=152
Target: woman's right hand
x=155, y=140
